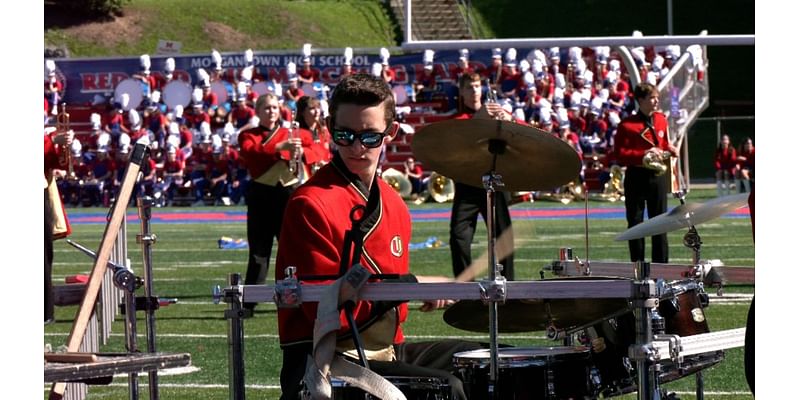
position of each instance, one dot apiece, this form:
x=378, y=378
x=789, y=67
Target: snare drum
x=527, y=373
x=414, y=387
x=681, y=306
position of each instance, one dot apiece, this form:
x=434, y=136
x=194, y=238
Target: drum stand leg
x=699, y=385
x=151, y=304
x=131, y=343
x=642, y=352
x=235, y=313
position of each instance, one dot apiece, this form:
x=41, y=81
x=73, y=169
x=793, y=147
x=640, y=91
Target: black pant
x=644, y=188
x=750, y=347
x=468, y=202
x=49, y=307
x=265, y=207
x=424, y=359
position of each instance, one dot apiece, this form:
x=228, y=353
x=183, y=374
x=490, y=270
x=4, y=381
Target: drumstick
x=504, y=246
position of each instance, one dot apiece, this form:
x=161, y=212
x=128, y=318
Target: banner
x=90, y=80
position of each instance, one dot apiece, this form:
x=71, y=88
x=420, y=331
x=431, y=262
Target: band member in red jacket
x=54, y=145
x=639, y=134
x=269, y=153
x=725, y=163
x=317, y=224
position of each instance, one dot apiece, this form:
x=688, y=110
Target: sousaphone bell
x=398, y=181
x=441, y=188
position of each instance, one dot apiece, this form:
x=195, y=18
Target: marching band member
x=54, y=144
x=313, y=235
x=469, y=201
x=637, y=135
x=267, y=151
x=309, y=117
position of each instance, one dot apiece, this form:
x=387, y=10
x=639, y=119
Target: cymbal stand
x=493, y=290
x=236, y=314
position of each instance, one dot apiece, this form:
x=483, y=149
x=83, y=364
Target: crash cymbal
x=685, y=215
x=534, y=314
x=527, y=158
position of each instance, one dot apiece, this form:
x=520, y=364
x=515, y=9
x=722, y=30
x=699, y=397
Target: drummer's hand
x=431, y=305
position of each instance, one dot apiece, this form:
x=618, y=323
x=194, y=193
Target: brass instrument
x=62, y=126
x=658, y=161
x=441, y=188
x=613, y=190
x=398, y=181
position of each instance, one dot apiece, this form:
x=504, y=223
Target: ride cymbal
x=526, y=158
x=684, y=216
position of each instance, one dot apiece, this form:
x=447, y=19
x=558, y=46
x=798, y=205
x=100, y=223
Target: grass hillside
x=201, y=25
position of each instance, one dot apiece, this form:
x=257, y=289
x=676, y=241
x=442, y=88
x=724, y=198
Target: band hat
x=384, y=55
x=247, y=74
x=95, y=120
x=588, y=77
x=306, y=51
x=602, y=53
x=545, y=104
x=524, y=66
x=124, y=101
x=580, y=66
x=555, y=53
x=75, y=147
x=228, y=130
x=538, y=66
x=155, y=98
x=575, y=54
x=511, y=57
x=172, y=149
x=611, y=76
x=174, y=128
x=144, y=61
x=558, y=97
x=658, y=63
x=463, y=54
x=50, y=67
x=179, y=111
x=603, y=94
x=427, y=58
x=377, y=69
x=248, y=56
x=575, y=100
x=197, y=97
x=652, y=78
x=596, y=106
x=563, y=117
x=348, y=55
x=545, y=116
x=540, y=56
x=216, y=59
x=169, y=65
x=497, y=53
x=673, y=51
x=216, y=141
x=103, y=139
x=519, y=114
x=529, y=79
x=173, y=142
x=202, y=75
x=124, y=140
x=134, y=118
x=614, y=65
x=291, y=71
x=205, y=131
x=241, y=91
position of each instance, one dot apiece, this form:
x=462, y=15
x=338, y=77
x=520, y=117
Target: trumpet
x=62, y=126
x=658, y=161
x=296, y=167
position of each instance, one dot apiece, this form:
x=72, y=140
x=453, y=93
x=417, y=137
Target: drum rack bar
x=567, y=289
x=700, y=343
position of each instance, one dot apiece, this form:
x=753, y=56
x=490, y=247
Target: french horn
x=658, y=161
x=398, y=181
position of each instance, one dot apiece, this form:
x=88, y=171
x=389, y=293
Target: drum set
x=631, y=329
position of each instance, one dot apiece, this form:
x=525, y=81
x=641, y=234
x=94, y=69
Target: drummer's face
x=472, y=95
x=361, y=160
x=269, y=113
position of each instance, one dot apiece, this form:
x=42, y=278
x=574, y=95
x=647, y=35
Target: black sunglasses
x=370, y=140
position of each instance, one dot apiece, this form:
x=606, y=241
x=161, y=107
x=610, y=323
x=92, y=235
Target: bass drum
x=177, y=92
x=223, y=90
x=131, y=87
x=681, y=306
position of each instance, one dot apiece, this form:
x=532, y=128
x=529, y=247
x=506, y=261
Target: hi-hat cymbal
x=528, y=315
x=529, y=158
x=684, y=216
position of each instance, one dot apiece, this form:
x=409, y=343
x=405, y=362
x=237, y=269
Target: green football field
x=187, y=264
